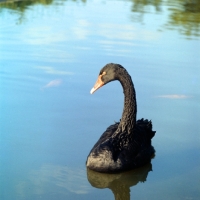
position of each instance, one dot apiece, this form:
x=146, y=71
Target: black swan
x=127, y=144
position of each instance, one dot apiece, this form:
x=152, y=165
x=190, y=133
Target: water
x=50, y=55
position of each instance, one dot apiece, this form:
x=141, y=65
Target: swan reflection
x=119, y=183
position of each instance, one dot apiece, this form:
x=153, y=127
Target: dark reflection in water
x=119, y=183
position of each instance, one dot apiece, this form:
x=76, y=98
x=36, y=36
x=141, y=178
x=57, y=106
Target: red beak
x=99, y=83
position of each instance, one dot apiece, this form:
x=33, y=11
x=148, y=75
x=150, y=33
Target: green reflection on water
x=142, y=6
x=186, y=18
x=183, y=16
x=23, y=5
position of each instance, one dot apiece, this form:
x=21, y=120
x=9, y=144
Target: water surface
x=50, y=55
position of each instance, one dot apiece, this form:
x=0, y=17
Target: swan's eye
x=102, y=73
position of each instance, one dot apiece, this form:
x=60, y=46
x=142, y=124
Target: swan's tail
x=147, y=125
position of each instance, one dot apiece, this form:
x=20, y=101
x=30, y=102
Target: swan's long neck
x=128, y=119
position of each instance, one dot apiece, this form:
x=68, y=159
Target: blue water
x=50, y=55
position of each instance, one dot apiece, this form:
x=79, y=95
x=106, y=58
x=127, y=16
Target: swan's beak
x=97, y=85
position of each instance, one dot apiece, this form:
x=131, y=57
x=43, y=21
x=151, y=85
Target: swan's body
x=127, y=144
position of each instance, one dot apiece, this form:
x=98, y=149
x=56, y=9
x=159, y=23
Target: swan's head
x=107, y=74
